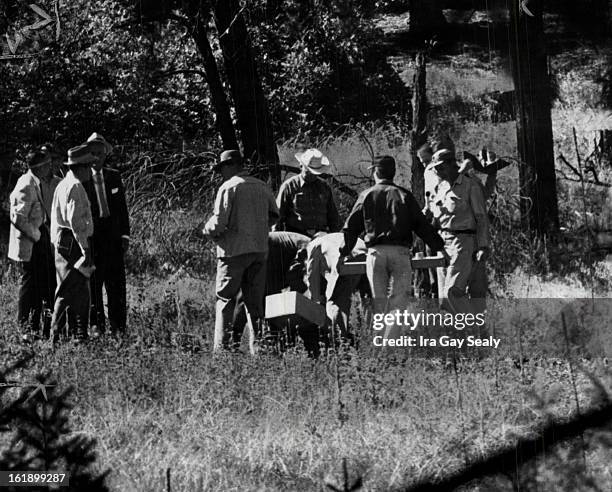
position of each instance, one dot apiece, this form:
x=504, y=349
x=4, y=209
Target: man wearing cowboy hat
x=29, y=243
x=388, y=215
x=459, y=210
x=110, y=241
x=305, y=201
x=71, y=230
x=243, y=214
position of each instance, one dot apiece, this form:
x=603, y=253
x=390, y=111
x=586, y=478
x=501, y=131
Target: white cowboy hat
x=314, y=160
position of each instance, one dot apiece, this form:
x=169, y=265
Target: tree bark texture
x=254, y=119
x=217, y=93
x=418, y=134
x=538, y=186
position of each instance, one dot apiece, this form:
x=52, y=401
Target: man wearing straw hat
x=459, y=210
x=30, y=245
x=305, y=202
x=110, y=241
x=243, y=214
x=71, y=230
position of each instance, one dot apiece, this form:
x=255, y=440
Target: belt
x=459, y=231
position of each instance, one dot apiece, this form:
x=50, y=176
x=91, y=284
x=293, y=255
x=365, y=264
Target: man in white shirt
x=71, y=230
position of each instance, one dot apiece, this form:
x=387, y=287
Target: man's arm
x=217, y=224
x=273, y=213
x=333, y=217
x=353, y=227
x=313, y=272
x=283, y=204
x=124, y=216
x=479, y=209
x=22, y=201
x=489, y=186
x=422, y=226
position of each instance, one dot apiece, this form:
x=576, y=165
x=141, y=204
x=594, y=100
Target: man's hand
x=125, y=244
x=482, y=254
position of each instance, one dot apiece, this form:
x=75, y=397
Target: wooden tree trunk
x=217, y=94
x=254, y=119
x=538, y=184
x=418, y=135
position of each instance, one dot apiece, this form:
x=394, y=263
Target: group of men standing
x=68, y=237
x=307, y=238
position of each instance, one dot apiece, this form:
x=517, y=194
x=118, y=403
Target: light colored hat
x=96, y=137
x=314, y=160
x=81, y=154
x=440, y=157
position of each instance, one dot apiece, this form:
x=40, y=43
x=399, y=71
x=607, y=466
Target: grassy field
x=158, y=400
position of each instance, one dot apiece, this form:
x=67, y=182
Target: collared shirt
x=71, y=210
x=307, y=206
x=388, y=214
x=322, y=261
x=461, y=206
x=244, y=210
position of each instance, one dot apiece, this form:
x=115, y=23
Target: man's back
x=243, y=208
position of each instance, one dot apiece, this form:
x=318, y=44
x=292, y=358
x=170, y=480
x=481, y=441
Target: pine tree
x=35, y=434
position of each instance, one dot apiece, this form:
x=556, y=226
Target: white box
x=295, y=307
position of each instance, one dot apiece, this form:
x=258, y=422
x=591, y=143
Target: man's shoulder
x=289, y=183
x=24, y=181
x=112, y=173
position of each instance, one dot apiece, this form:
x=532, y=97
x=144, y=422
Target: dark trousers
x=37, y=287
x=110, y=276
x=71, y=309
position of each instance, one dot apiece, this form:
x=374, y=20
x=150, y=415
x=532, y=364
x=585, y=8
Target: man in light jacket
x=30, y=246
x=71, y=230
x=244, y=212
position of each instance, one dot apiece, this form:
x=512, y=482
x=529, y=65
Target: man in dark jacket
x=110, y=240
x=388, y=215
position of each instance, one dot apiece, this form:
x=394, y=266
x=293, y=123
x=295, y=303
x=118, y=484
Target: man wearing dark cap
x=459, y=211
x=71, y=230
x=110, y=241
x=30, y=246
x=305, y=202
x=388, y=215
x=243, y=214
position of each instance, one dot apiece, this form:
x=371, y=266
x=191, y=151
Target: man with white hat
x=305, y=201
x=110, y=240
x=71, y=230
x=29, y=243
